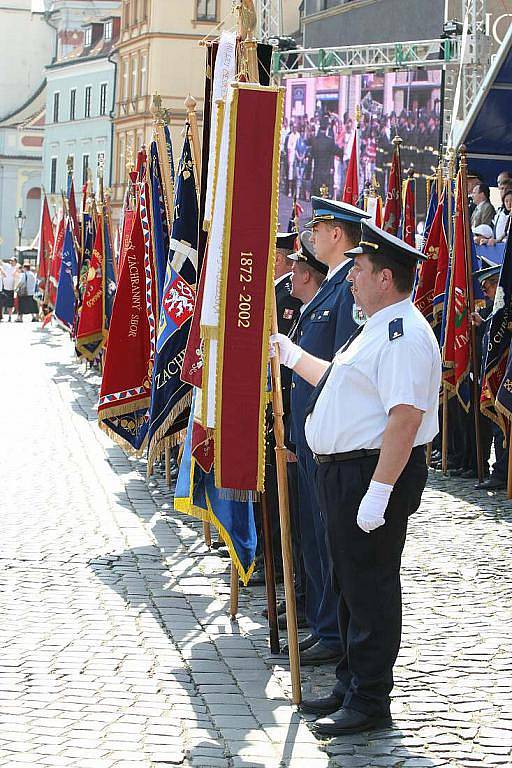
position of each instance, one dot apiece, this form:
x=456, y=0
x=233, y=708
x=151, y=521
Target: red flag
x=409, y=221
x=90, y=330
x=393, y=207
x=46, y=243
x=433, y=269
x=456, y=348
x=55, y=262
x=351, y=188
x=72, y=209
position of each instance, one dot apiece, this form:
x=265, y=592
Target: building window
x=87, y=106
x=143, y=73
x=121, y=158
x=125, y=79
x=206, y=10
x=85, y=168
x=135, y=76
x=87, y=37
x=56, y=99
x=103, y=99
x=53, y=176
x=72, y=104
x=107, y=30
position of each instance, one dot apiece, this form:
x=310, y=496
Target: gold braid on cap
x=375, y=246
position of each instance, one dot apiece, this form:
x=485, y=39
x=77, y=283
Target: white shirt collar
x=280, y=279
x=386, y=314
x=330, y=274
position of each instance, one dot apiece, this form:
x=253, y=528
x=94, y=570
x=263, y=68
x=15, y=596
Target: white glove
x=289, y=353
x=373, y=505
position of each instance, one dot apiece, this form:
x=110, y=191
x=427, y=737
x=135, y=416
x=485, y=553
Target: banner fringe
x=162, y=433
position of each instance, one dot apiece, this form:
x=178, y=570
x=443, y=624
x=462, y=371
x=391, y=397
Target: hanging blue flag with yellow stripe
x=110, y=275
x=197, y=495
x=66, y=298
x=170, y=397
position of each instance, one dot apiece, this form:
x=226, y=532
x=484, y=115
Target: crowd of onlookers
x=490, y=225
x=315, y=151
x=18, y=286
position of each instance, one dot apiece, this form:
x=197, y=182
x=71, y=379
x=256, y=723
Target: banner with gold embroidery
x=246, y=285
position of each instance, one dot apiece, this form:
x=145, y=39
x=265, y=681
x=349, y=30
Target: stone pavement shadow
x=214, y=689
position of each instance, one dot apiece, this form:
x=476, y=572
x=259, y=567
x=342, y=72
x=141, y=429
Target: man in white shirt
x=9, y=271
x=26, y=287
x=370, y=415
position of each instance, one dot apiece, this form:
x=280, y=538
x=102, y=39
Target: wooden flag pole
x=270, y=577
x=233, y=600
x=195, y=145
x=247, y=24
x=471, y=308
x=444, y=433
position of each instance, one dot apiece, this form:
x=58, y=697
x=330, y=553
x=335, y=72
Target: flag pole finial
x=69, y=165
x=397, y=141
x=161, y=115
x=358, y=115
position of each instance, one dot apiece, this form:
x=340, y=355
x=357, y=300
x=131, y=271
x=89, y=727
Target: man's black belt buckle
x=329, y=458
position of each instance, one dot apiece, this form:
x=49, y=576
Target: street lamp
x=20, y=220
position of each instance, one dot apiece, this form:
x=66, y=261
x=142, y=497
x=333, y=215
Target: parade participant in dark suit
x=371, y=413
x=287, y=306
x=323, y=149
x=324, y=325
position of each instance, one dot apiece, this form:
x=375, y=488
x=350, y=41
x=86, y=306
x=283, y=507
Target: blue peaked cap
x=330, y=210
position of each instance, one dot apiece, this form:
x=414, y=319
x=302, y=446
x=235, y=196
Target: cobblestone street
x=116, y=647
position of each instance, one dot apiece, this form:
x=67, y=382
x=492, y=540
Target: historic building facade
x=80, y=101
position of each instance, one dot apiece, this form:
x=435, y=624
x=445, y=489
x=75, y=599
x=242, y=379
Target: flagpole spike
x=410, y=172
x=69, y=165
x=358, y=115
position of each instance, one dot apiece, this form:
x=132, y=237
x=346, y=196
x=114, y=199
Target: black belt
x=332, y=457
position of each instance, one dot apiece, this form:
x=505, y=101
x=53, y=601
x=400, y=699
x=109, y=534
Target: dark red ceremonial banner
x=393, y=207
x=90, y=333
x=436, y=251
x=46, y=244
x=55, y=263
x=128, y=366
x=247, y=287
x=128, y=220
x=409, y=221
x=351, y=188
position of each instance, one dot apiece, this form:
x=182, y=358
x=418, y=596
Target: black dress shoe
x=301, y=621
x=325, y=706
x=491, y=484
x=304, y=644
x=346, y=721
x=281, y=608
x=319, y=654
x=469, y=474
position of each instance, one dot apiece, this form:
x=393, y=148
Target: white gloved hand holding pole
x=289, y=353
x=373, y=506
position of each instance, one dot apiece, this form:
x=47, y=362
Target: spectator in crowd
x=323, y=150
x=26, y=289
x=290, y=146
x=484, y=212
x=502, y=218
x=9, y=271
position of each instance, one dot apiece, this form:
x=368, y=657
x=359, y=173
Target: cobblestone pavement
x=115, y=647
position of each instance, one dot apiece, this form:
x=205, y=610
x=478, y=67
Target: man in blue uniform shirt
x=371, y=413
x=324, y=325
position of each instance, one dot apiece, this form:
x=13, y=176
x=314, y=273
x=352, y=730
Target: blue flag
x=110, y=275
x=197, y=495
x=65, y=303
x=170, y=397
x=496, y=399
x=159, y=217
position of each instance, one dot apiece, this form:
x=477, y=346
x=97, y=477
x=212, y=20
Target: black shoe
x=281, y=608
x=301, y=621
x=258, y=578
x=308, y=642
x=346, y=721
x=469, y=474
x=319, y=654
x=456, y=472
x=325, y=706
x=491, y=484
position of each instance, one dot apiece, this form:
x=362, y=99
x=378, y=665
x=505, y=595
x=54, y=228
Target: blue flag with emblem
x=110, y=275
x=197, y=495
x=170, y=397
x=160, y=229
x=65, y=303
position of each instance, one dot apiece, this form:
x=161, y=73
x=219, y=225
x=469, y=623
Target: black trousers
x=366, y=572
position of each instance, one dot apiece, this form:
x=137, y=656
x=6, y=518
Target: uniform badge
x=396, y=328
x=288, y=314
x=358, y=315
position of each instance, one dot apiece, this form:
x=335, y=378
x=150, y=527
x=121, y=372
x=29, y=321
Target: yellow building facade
x=159, y=51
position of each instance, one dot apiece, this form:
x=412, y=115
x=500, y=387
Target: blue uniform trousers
x=321, y=601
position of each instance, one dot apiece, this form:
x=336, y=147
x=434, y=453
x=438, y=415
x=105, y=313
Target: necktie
x=321, y=384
